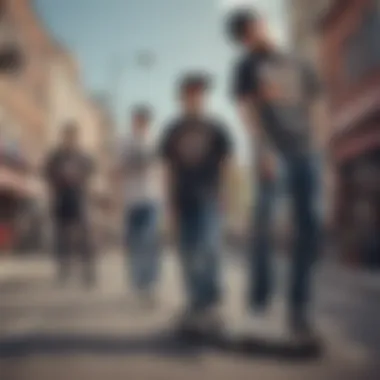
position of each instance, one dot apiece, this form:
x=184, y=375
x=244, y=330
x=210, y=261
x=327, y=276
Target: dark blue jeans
x=141, y=223
x=300, y=177
x=199, y=231
x=72, y=239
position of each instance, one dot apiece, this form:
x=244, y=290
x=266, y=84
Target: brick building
x=350, y=30
x=23, y=93
x=23, y=107
x=64, y=90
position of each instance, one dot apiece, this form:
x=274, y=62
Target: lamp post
x=143, y=60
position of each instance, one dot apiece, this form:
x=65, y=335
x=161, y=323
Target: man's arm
x=265, y=158
x=318, y=109
x=170, y=212
x=227, y=186
x=49, y=168
x=228, y=168
x=166, y=172
x=245, y=89
x=119, y=171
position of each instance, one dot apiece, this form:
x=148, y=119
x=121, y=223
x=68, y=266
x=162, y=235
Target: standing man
x=274, y=93
x=196, y=149
x=139, y=170
x=68, y=171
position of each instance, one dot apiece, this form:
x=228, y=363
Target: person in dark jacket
x=68, y=171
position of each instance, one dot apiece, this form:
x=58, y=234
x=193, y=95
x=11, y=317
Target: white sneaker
x=262, y=326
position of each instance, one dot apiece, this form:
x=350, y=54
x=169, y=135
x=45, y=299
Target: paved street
x=47, y=332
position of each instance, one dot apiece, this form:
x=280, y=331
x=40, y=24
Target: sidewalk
x=31, y=308
x=13, y=267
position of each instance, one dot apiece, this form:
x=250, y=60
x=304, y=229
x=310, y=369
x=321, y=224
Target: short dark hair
x=194, y=81
x=142, y=110
x=238, y=21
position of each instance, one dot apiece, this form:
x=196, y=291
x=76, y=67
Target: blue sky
x=106, y=36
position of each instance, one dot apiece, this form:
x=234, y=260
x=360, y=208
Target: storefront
x=350, y=55
x=358, y=197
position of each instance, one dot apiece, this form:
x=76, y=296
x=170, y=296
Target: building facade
x=306, y=44
x=68, y=102
x=23, y=106
x=24, y=92
x=351, y=65
x=63, y=92
x=40, y=96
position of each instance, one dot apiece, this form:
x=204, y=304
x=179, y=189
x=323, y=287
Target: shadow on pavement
x=20, y=285
x=160, y=344
x=75, y=308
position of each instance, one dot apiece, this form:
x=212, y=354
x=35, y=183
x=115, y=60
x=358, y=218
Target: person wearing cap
x=139, y=171
x=274, y=93
x=196, y=149
x=68, y=171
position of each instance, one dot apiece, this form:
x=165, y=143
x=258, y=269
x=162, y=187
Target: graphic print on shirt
x=70, y=171
x=280, y=82
x=193, y=146
x=138, y=158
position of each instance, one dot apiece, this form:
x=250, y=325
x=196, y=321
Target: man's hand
x=230, y=179
x=267, y=167
x=170, y=221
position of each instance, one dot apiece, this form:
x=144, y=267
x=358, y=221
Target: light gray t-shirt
x=142, y=182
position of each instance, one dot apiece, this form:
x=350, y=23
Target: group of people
x=273, y=92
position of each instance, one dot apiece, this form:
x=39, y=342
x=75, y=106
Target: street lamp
x=143, y=59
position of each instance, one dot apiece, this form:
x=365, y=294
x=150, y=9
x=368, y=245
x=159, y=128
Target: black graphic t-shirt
x=195, y=150
x=68, y=173
x=282, y=89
